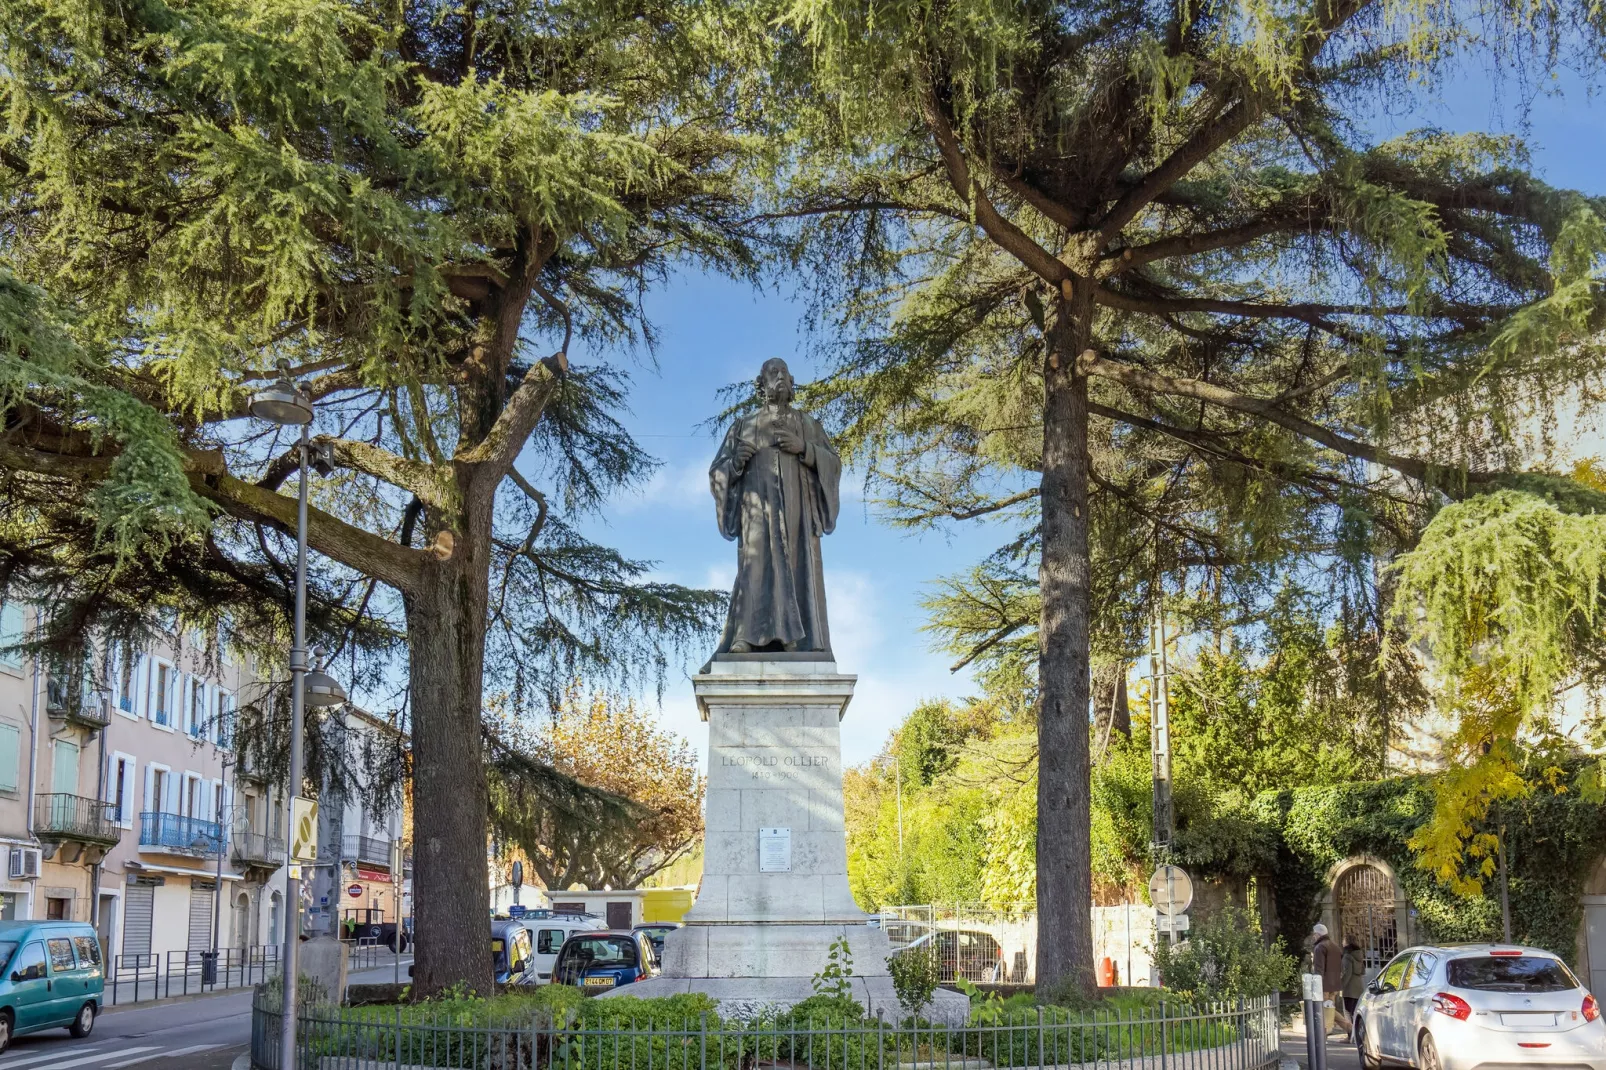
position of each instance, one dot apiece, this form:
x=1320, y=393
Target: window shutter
x=10, y=756
x=11, y=626
x=151, y=803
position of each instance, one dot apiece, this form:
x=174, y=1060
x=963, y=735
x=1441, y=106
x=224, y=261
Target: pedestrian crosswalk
x=114, y=1055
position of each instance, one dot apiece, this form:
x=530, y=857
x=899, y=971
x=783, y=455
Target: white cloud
x=672, y=486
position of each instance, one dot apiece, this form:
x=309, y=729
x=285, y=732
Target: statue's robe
x=776, y=509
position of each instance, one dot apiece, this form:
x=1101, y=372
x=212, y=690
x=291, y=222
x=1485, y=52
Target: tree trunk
x=1064, y=862
x=446, y=646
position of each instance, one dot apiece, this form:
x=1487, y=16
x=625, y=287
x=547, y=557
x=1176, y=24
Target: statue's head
x=775, y=382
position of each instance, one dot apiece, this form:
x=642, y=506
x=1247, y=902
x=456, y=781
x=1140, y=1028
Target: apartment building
x=122, y=802
x=357, y=841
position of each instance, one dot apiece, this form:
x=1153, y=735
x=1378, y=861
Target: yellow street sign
x=304, y=829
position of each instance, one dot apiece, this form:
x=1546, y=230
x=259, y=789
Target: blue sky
x=714, y=332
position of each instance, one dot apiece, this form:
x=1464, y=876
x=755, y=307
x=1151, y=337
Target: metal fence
x=139, y=978
x=1240, y=1036
x=982, y=945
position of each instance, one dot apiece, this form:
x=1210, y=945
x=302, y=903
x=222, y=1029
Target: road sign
x=1170, y=890
x=304, y=829
x=1171, y=923
x=516, y=910
x=355, y=891
x=323, y=900
x=518, y=873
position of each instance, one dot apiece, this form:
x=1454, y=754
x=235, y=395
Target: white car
x=1479, y=1007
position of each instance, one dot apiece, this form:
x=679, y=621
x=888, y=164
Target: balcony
x=59, y=818
x=257, y=849
x=74, y=703
x=373, y=849
x=178, y=834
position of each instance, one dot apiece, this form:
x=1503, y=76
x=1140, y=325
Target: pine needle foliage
x=428, y=212
x=1136, y=280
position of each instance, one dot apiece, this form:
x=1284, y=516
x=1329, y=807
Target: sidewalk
x=1341, y=1054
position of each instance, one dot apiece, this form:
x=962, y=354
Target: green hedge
x=1553, y=842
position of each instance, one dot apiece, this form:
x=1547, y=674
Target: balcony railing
x=257, y=849
x=374, y=849
x=74, y=703
x=175, y=832
x=60, y=817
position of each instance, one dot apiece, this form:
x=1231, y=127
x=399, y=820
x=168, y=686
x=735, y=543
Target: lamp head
x=283, y=402
x=321, y=689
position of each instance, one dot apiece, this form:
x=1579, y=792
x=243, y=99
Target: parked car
x=656, y=931
x=53, y=978
x=1458, y=1006
x=510, y=953
x=963, y=955
x=548, y=934
x=598, y=961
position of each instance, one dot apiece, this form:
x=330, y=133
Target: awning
x=203, y=874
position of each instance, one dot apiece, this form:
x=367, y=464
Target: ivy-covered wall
x=1554, y=841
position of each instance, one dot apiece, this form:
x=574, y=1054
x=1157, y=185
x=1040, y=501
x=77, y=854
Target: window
x=88, y=950
x=1393, y=974
x=8, y=910
x=61, y=957
x=11, y=633
x=195, y=797
x=127, y=666
x=548, y=941
x=30, y=965
x=156, y=788
x=195, y=712
x=1421, y=969
x=161, y=694
x=225, y=719
x=56, y=909
x=64, y=768
x=10, y=756
x=122, y=782
x=1527, y=973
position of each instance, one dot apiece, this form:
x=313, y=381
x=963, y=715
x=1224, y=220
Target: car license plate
x=599, y=982
x=1529, y=1021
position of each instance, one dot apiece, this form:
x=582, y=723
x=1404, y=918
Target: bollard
x=1315, y=1025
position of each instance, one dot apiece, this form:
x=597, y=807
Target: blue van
x=52, y=978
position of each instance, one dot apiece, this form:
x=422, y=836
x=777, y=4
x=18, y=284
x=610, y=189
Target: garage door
x=619, y=916
x=138, y=906
x=200, y=915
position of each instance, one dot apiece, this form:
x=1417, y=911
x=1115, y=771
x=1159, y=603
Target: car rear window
x=603, y=951
x=1528, y=973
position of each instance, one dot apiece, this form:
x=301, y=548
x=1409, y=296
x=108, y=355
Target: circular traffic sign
x=1170, y=890
x=355, y=891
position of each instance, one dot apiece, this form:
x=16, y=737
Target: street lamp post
x=217, y=884
x=288, y=405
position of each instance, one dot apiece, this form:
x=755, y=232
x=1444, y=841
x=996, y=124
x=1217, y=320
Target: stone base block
x=772, y=949
x=748, y=997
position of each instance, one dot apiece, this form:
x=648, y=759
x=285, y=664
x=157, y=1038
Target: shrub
x=914, y=979
x=1224, y=958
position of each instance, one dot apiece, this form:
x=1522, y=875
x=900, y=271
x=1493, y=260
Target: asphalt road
x=199, y=1033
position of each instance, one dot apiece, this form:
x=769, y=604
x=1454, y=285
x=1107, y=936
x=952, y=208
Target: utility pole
x=1160, y=733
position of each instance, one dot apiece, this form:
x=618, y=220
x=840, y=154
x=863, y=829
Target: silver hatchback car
x=1479, y=1007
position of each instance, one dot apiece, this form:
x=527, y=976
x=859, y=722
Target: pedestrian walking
x=1327, y=959
x=1352, y=982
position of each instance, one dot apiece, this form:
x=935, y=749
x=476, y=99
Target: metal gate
x=1364, y=896
x=139, y=904
x=200, y=915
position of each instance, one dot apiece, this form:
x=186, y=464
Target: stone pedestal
x=774, y=895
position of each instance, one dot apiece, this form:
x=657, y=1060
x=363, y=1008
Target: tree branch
x=517, y=421
x=1090, y=363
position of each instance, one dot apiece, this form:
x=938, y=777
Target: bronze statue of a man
x=776, y=491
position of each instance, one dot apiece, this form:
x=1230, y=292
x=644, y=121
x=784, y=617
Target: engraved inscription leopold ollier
x=776, y=483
